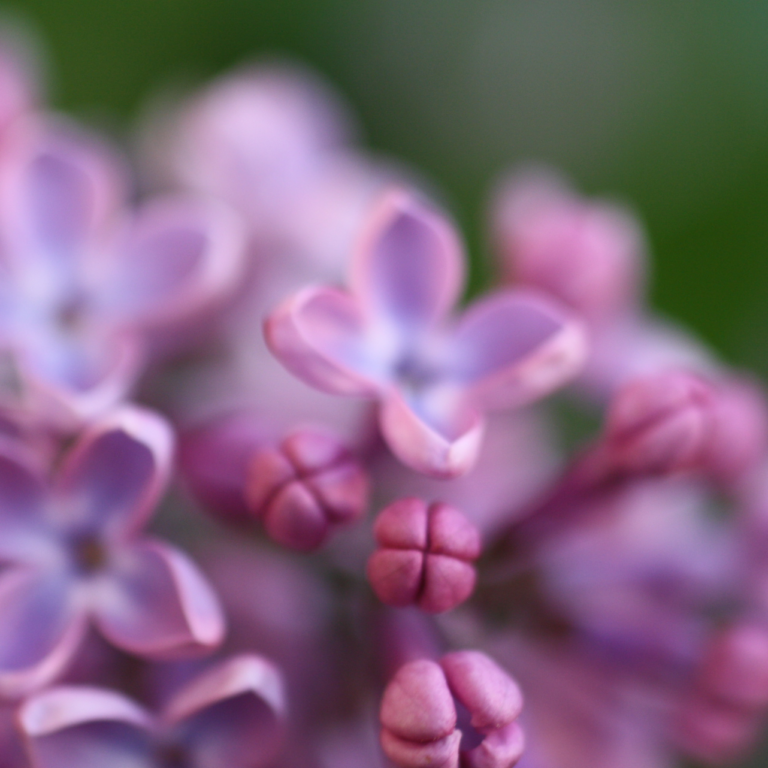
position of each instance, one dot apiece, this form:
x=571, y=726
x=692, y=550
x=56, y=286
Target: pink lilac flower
x=75, y=555
x=86, y=280
x=231, y=716
x=390, y=337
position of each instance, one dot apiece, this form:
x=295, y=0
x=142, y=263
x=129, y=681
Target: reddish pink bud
x=660, y=424
x=214, y=461
x=304, y=487
x=740, y=433
x=425, y=556
x=419, y=719
x=714, y=732
x=736, y=668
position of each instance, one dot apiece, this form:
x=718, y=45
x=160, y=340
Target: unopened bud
x=419, y=719
x=214, y=461
x=660, y=424
x=425, y=556
x=305, y=487
x=740, y=432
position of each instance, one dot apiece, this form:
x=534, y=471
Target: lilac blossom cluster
x=404, y=562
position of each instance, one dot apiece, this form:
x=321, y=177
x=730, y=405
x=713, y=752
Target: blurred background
x=663, y=104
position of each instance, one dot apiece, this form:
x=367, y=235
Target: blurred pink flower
x=390, y=338
x=74, y=554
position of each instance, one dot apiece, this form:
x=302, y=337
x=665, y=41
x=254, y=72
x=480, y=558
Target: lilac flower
x=229, y=717
x=390, y=338
x=85, y=281
x=275, y=142
x=75, y=555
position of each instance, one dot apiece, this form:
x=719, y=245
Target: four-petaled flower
x=74, y=555
x=389, y=337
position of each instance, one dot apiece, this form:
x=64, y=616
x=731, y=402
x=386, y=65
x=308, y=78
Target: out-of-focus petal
x=21, y=502
x=156, y=603
x=232, y=716
x=57, y=198
x=422, y=447
x=178, y=256
x=86, y=727
x=320, y=336
x=115, y=474
x=72, y=383
x=40, y=631
x=408, y=266
x=516, y=347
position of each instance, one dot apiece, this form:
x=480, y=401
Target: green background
x=662, y=103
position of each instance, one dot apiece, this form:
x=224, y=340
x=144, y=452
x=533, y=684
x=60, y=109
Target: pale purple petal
x=320, y=336
x=233, y=715
x=516, y=347
x=73, y=381
x=408, y=266
x=176, y=257
x=424, y=448
x=57, y=196
x=86, y=727
x=155, y=602
x=115, y=474
x=21, y=502
x=40, y=631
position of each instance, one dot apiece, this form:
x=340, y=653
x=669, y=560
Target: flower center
x=70, y=315
x=414, y=375
x=173, y=756
x=89, y=553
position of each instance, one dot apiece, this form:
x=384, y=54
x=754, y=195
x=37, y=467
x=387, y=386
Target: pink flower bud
x=214, y=460
x=425, y=556
x=305, y=487
x=740, y=431
x=720, y=718
x=735, y=669
x=419, y=718
x=660, y=424
x=589, y=255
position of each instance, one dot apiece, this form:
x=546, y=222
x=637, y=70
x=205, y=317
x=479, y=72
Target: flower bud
x=214, y=461
x=304, y=487
x=740, y=433
x=425, y=556
x=420, y=724
x=720, y=718
x=660, y=424
x=588, y=255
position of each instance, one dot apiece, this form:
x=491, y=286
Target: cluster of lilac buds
x=400, y=565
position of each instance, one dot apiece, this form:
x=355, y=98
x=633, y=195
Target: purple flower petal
x=115, y=474
x=40, y=631
x=158, y=604
x=408, y=266
x=177, y=256
x=57, y=195
x=232, y=716
x=86, y=727
x=319, y=334
x=76, y=382
x=516, y=347
x=22, y=497
x=424, y=448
